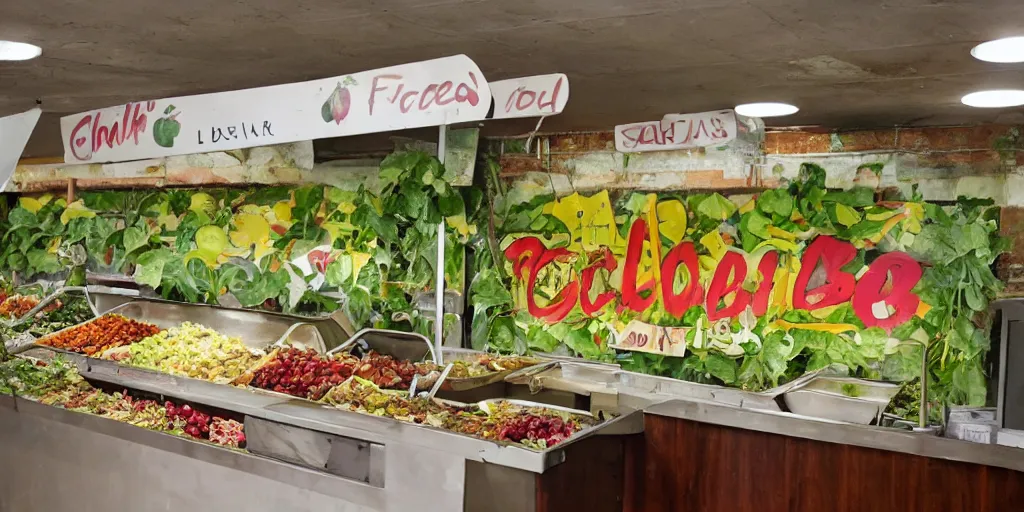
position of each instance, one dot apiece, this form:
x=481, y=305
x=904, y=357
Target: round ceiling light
x=766, y=109
x=995, y=99
x=12, y=50
x=1009, y=49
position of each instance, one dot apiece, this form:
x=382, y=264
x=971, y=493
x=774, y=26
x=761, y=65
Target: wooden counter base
x=683, y=465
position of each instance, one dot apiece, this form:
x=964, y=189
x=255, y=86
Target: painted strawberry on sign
x=337, y=106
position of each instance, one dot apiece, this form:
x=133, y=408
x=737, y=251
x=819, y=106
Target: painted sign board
x=677, y=131
x=14, y=134
x=657, y=269
x=428, y=93
x=531, y=96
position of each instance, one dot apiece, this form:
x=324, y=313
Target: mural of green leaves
x=311, y=249
x=955, y=246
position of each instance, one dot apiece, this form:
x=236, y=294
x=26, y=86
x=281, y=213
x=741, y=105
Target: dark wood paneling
x=694, y=466
x=591, y=479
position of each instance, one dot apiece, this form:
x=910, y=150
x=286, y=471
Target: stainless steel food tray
x=45, y=301
x=469, y=383
x=167, y=315
x=105, y=300
x=817, y=404
x=256, y=329
x=408, y=346
x=837, y=398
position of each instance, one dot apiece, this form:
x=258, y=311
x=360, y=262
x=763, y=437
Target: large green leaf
x=969, y=386
x=488, y=290
x=776, y=202
x=721, y=367
x=451, y=204
x=758, y=224
x=42, y=262
x=581, y=341
x=20, y=217
x=149, y=268
x=134, y=238
x=857, y=196
x=716, y=207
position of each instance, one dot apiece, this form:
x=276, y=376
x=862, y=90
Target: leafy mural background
x=955, y=244
x=291, y=249
x=296, y=249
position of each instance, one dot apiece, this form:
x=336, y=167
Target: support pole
x=442, y=139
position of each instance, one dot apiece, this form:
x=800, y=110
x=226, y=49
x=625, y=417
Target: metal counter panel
x=56, y=459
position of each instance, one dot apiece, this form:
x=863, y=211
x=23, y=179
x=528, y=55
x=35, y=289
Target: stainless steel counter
x=842, y=433
x=56, y=459
x=296, y=412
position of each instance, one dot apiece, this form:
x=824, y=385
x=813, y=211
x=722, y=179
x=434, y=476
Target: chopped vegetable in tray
x=305, y=373
x=59, y=384
x=105, y=332
x=190, y=350
x=17, y=306
x=72, y=310
x=537, y=428
x=487, y=364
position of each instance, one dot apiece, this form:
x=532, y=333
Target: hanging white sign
x=531, y=96
x=14, y=134
x=429, y=93
x=677, y=131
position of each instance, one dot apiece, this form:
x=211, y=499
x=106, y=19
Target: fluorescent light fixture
x=766, y=109
x=1009, y=49
x=12, y=50
x=995, y=99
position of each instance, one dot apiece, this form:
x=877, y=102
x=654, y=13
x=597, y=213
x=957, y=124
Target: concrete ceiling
x=845, y=63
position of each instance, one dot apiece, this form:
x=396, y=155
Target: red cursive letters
x=872, y=289
x=839, y=285
x=529, y=254
x=133, y=122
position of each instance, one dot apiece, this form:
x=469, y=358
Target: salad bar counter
x=221, y=409
x=287, y=419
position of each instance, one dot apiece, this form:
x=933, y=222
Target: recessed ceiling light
x=12, y=50
x=765, y=109
x=994, y=99
x=1009, y=49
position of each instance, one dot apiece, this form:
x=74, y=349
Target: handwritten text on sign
x=428, y=93
x=532, y=96
x=677, y=131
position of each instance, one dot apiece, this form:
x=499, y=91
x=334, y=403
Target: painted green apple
x=167, y=128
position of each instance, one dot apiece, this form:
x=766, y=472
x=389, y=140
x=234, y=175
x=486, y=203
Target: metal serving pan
x=853, y=387
x=256, y=329
x=817, y=404
x=469, y=383
x=45, y=301
x=166, y=315
x=401, y=345
x=334, y=332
